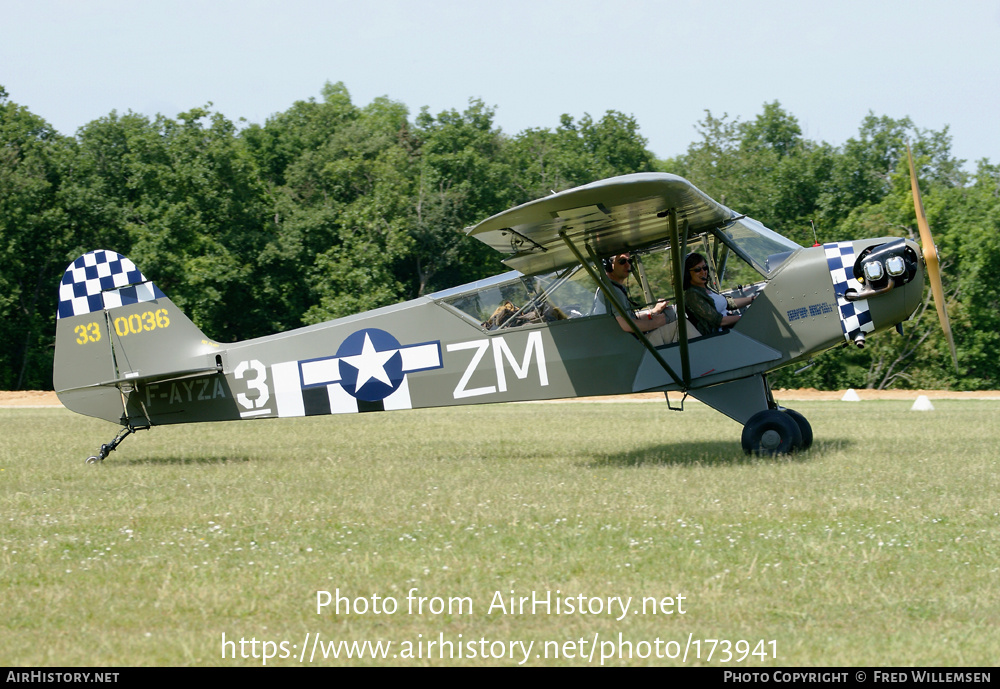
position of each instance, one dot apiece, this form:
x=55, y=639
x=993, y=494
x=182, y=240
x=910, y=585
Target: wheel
x=804, y=428
x=92, y=459
x=771, y=432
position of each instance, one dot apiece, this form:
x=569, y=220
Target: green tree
x=576, y=153
x=35, y=233
x=763, y=168
x=863, y=169
x=340, y=212
x=966, y=226
x=187, y=196
x=614, y=145
x=544, y=161
x=306, y=126
x=461, y=178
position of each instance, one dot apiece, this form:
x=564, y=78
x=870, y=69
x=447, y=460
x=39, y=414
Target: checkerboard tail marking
x=102, y=280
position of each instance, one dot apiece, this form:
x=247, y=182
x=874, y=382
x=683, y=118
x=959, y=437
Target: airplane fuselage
x=419, y=354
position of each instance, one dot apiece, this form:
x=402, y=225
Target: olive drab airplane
x=127, y=354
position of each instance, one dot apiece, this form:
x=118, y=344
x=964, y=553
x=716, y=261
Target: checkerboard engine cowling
x=854, y=315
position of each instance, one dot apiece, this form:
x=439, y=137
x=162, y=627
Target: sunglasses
x=700, y=269
x=624, y=261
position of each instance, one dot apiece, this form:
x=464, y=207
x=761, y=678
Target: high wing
x=611, y=216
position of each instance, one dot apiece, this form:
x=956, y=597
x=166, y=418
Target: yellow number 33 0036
x=90, y=332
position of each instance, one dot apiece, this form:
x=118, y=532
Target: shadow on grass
x=722, y=453
x=199, y=460
x=704, y=454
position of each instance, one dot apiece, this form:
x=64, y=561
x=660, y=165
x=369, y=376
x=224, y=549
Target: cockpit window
x=738, y=254
x=513, y=300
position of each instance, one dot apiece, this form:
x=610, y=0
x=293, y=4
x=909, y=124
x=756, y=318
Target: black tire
x=771, y=432
x=804, y=428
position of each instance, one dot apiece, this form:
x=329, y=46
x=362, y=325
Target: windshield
x=763, y=248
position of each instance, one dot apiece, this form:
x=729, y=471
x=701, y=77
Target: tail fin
x=115, y=328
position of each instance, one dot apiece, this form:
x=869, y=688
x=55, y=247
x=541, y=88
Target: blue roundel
x=371, y=367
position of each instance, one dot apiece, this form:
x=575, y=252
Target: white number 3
x=258, y=383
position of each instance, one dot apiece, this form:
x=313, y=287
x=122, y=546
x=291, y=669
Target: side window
x=733, y=273
x=659, y=275
x=727, y=269
x=571, y=292
x=487, y=302
x=659, y=269
x=525, y=300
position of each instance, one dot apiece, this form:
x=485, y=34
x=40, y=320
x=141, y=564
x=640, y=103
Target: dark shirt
x=701, y=310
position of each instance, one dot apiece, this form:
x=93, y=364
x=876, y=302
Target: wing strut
x=677, y=264
x=609, y=297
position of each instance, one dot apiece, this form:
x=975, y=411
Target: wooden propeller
x=931, y=258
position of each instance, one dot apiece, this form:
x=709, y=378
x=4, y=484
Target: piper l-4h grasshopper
x=126, y=353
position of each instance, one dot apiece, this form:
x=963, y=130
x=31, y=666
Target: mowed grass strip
x=880, y=546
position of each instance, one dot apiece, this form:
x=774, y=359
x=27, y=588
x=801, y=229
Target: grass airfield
x=878, y=547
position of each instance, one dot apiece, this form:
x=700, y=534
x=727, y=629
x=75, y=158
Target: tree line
x=330, y=208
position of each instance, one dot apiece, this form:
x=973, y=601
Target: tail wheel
x=771, y=432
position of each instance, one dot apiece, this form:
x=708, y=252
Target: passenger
x=707, y=309
x=658, y=323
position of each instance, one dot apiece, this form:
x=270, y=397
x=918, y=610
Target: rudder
x=115, y=328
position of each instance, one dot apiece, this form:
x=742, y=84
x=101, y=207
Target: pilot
x=707, y=309
x=658, y=323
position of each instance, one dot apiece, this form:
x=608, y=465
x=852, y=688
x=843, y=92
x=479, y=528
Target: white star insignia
x=370, y=363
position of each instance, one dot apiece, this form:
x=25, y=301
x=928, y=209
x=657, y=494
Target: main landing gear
x=108, y=448
x=777, y=431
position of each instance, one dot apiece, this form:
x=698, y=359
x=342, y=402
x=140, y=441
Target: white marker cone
x=923, y=403
x=850, y=396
